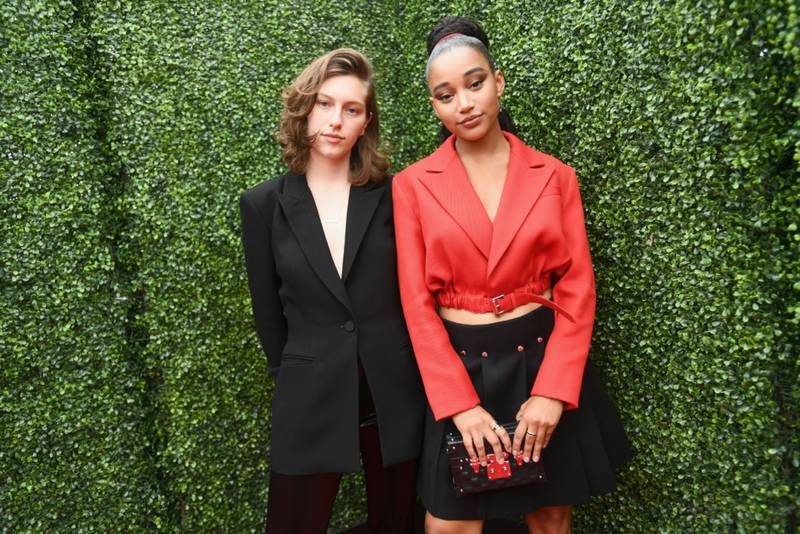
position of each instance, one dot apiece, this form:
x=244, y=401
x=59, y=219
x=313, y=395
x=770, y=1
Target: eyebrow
x=470, y=71
x=349, y=102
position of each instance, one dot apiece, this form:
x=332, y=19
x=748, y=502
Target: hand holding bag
x=471, y=477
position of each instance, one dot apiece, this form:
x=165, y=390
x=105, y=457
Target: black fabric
x=302, y=504
x=587, y=445
x=315, y=327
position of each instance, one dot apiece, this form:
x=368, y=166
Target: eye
x=444, y=97
x=323, y=103
x=353, y=111
x=477, y=83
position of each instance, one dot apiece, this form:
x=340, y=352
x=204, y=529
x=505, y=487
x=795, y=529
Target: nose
x=465, y=103
x=336, y=118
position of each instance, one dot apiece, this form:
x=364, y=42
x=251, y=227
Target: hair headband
x=445, y=37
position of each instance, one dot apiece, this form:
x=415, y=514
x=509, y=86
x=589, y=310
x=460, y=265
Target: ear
x=431, y=99
x=364, y=128
x=500, y=82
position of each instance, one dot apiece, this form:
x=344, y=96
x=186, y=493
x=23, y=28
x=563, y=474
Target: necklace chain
x=334, y=220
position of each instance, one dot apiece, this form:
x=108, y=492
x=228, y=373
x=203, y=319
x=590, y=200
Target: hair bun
x=450, y=25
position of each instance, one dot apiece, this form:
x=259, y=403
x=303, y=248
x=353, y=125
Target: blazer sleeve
x=446, y=381
x=561, y=373
x=264, y=283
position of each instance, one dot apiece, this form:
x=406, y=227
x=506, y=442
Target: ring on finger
x=531, y=434
x=496, y=426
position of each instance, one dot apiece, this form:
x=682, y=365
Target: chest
x=488, y=180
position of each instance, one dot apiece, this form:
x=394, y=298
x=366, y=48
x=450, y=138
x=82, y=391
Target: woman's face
x=465, y=93
x=339, y=117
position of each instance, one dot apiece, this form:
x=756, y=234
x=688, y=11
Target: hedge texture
x=133, y=393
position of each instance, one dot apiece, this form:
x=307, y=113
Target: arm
x=447, y=384
x=561, y=373
x=264, y=283
x=446, y=381
x=558, y=384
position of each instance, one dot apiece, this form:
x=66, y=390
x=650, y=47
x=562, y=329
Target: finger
x=470, y=449
x=547, y=437
x=530, y=440
x=497, y=446
x=519, y=436
x=479, y=448
x=504, y=438
x=537, y=448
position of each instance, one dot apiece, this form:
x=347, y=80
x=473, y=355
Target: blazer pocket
x=296, y=359
x=554, y=189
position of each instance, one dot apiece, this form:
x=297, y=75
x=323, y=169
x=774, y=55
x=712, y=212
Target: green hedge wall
x=133, y=394
x=76, y=452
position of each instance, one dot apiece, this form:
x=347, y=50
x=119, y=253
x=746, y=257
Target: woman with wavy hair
x=499, y=294
x=321, y=266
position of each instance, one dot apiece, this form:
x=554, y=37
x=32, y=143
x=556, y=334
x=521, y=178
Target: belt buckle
x=496, y=305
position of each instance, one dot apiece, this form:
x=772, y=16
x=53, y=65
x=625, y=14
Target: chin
x=470, y=135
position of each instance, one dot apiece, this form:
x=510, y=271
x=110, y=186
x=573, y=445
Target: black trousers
x=302, y=504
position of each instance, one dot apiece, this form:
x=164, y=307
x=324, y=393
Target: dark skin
x=465, y=95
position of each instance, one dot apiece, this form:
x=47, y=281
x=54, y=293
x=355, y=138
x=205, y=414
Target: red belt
x=507, y=302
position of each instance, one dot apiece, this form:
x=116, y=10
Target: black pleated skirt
x=585, y=448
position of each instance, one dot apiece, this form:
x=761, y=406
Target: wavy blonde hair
x=367, y=164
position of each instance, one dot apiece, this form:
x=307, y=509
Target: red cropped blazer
x=450, y=253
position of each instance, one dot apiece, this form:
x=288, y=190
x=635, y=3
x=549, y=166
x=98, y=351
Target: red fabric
x=446, y=243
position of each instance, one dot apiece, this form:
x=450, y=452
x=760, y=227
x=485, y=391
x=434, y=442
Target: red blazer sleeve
x=561, y=373
x=446, y=381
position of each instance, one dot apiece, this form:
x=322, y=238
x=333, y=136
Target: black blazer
x=314, y=326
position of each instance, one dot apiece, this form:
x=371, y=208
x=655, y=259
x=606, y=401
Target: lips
x=334, y=138
x=471, y=121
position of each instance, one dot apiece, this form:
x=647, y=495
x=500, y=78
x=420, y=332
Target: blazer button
x=484, y=354
x=349, y=326
x=463, y=353
x=540, y=340
x=520, y=349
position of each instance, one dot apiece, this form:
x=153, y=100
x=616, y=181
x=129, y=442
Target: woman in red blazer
x=498, y=292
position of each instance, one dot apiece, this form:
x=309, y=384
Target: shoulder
x=559, y=166
x=411, y=172
x=437, y=162
x=560, y=170
x=386, y=182
x=267, y=189
x=262, y=199
x=535, y=158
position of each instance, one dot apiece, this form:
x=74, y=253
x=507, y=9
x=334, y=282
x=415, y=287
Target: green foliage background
x=133, y=394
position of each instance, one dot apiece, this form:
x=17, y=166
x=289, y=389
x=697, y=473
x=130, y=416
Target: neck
x=326, y=172
x=492, y=143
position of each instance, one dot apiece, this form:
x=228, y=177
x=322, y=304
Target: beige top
x=334, y=228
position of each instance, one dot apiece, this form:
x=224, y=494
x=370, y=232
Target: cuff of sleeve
x=450, y=409
x=569, y=404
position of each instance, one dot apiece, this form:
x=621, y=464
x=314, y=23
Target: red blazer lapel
x=528, y=173
x=447, y=181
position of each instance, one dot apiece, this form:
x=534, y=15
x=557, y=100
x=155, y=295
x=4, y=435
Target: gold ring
x=496, y=426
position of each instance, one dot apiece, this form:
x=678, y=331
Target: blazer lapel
x=361, y=206
x=448, y=182
x=301, y=212
x=528, y=173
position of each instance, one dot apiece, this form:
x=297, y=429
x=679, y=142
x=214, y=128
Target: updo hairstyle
x=472, y=36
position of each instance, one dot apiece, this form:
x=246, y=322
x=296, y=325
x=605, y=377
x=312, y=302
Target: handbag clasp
x=493, y=469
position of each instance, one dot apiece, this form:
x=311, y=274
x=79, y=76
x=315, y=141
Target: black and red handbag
x=471, y=477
